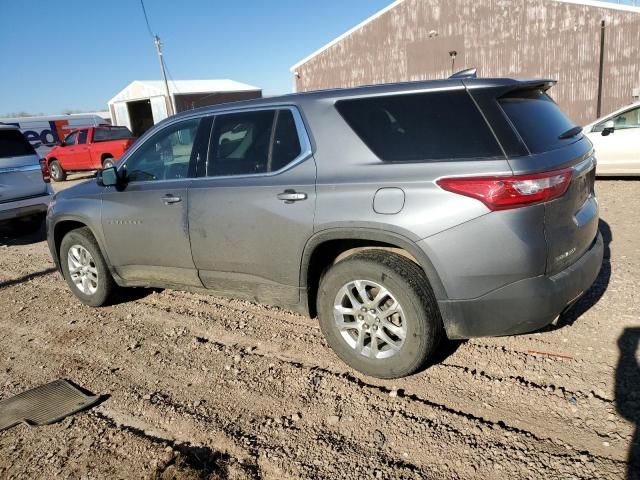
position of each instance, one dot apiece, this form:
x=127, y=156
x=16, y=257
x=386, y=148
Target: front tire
x=379, y=314
x=57, y=172
x=85, y=269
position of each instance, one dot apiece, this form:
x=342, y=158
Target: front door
x=145, y=222
x=66, y=154
x=251, y=211
x=81, y=155
x=619, y=151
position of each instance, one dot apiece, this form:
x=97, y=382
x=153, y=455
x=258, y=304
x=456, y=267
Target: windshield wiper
x=572, y=132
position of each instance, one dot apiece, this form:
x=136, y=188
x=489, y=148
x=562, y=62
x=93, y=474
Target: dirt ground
x=204, y=387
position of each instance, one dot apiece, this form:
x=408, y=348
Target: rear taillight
x=502, y=193
x=44, y=168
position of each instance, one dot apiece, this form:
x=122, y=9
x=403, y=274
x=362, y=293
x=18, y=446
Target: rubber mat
x=44, y=404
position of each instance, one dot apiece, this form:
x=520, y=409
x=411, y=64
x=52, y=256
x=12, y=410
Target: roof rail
x=468, y=73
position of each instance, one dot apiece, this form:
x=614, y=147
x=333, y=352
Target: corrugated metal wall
x=514, y=38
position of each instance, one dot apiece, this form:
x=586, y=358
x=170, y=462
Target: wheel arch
x=66, y=225
x=329, y=246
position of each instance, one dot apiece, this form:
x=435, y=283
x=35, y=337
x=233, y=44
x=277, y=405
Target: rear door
x=20, y=174
x=571, y=221
x=251, y=210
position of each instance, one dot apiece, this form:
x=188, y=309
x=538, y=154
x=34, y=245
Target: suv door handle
x=169, y=199
x=290, y=196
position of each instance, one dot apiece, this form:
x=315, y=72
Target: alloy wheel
x=82, y=269
x=370, y=319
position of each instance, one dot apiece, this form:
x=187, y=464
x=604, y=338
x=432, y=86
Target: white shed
x=143, y=103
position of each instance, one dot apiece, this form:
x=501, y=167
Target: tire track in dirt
x=225, y=340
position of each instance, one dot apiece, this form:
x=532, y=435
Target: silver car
x=24, y=182
x=394, y=213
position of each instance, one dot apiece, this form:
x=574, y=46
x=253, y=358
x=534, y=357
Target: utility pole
x=164, y=73
x=600, y=70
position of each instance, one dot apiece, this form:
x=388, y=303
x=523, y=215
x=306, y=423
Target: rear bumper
x=24, y=207
x=522, y=306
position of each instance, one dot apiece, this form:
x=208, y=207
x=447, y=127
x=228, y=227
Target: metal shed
x=143, y=103
x=428, y=39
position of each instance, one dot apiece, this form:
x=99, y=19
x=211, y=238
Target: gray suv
x=393, y=213
x=24, y=182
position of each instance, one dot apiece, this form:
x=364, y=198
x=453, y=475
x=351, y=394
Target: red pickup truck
x=90, y=148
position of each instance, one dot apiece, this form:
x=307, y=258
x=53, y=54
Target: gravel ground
x=204, y=387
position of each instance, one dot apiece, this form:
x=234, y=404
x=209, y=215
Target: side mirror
x=609, y=128
x=108, y=177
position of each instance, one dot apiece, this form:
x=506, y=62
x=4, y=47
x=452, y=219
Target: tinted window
x=538, y=119
x=286, y=144
x=82, y=136
x=421, y=127
x=71, y=139
x=166, y=155
x=13, y=144
x=240, y=143
x=111, y=133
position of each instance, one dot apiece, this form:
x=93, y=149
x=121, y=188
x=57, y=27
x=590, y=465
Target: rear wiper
x=572, y=132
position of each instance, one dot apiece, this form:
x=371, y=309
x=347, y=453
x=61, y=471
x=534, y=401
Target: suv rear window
x=421, y=127
x=13, y=144
x=111, y=133
x=538, y=119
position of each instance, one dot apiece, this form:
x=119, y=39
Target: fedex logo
x=51, y=132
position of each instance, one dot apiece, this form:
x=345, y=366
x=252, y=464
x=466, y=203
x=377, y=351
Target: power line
x=146, y=19
x=156, y=41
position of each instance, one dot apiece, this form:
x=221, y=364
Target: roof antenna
x=468, y=73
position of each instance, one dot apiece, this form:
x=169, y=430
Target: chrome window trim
x=303, y=137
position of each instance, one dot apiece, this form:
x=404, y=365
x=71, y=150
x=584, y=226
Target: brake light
x=503, y=193
x=44, y=169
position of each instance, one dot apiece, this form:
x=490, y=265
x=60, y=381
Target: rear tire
x=404, y=323
x=57, y=172
x=108, y=162
x=90, y=280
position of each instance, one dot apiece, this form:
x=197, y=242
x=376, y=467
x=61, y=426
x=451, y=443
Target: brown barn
x=428, y=39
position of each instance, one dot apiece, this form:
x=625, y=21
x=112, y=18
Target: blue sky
x=74, y=54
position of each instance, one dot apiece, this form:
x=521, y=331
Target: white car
x=616, y=139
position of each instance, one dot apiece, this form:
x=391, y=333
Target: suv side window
x=166, y=155
x=286, y=143
x=71, y=138
x=240, y=143
x=82, y=136
x=419, y=127
x=247, y=143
